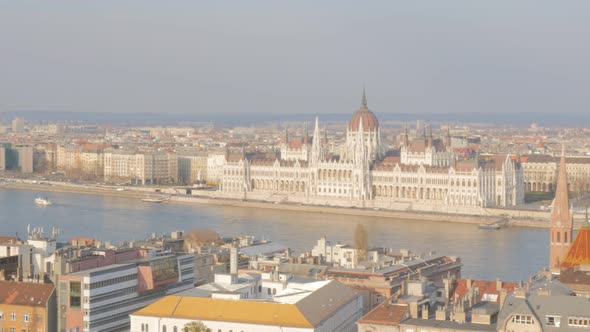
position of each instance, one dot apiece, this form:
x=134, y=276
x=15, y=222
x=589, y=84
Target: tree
x=361, y=242
x=200, y=237
x=196, y=326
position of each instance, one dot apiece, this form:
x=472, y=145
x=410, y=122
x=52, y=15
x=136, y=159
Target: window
x=553, y=321
x=13, y=316
x=39, y=319
x=75, y=295
x=163, y=328
x=26, y=318
x=1, y=315
x=522, y=319
x=12, y=329
x=142, y=327
x=579, y=321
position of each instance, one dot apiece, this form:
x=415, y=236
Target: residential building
x=547, y=305
x=27, y=307
x=541, y=172
x=454, y=305
x=18, y=125
x=140, y=167
x=192, y=169
x=383, y=272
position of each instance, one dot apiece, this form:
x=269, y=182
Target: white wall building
x=316, y=306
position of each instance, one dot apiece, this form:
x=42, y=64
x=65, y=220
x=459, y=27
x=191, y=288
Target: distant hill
x=499, y=119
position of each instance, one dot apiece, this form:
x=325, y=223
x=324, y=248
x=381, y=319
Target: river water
x=511, y=254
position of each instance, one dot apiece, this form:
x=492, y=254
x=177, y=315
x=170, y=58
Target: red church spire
x=562, y=221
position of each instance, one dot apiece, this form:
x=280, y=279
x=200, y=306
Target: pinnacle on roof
x=364, y=100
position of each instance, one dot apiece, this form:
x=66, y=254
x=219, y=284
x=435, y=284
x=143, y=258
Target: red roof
x=579, y=252
x=25, y=293
x=386, y=314
x=370, y=122
x=485, y=287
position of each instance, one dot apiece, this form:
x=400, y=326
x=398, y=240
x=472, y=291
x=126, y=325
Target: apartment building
x=29, y=307
x=140, y=167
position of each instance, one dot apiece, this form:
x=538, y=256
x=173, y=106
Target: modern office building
x=101, y=299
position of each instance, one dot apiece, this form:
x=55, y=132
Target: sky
x=287, y=57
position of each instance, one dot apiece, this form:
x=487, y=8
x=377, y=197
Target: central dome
x=370, y=122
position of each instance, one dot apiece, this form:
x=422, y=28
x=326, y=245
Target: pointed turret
x=306, y=135
x=406, y=138
x=448, y=137
x=361, y=149
x=286, y=135
x=317, y=154
x=561, y=220
x=243, y=157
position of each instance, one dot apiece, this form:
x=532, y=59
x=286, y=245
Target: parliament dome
x=370, y=122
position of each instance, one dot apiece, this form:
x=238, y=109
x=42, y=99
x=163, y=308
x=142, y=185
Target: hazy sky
x=213, y=57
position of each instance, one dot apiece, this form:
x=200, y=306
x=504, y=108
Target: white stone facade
x=427, y=174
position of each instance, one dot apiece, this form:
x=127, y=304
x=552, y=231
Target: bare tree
x=200, y=237
x=196, y=326
x=361, y=242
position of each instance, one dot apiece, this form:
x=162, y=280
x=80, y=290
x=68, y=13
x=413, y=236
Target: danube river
x=511, y=254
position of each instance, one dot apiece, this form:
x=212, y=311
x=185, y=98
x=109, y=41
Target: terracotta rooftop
x=490, y=287
x=8, y=239
x=386, y=314
x=25, y=293
x=579, y=253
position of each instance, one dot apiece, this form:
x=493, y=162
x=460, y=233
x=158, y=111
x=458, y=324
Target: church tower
x=562, y=221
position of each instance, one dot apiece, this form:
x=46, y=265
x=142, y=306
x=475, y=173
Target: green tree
x=195, y=327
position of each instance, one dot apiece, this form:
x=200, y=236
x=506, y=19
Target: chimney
x=441, y=313
x=233, y=261
x=503, y=294
x=498, y=284
x=425, y=311
x=468, y=283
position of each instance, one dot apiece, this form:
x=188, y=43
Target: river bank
x=196, y=199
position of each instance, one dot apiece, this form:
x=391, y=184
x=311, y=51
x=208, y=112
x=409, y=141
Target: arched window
x=175, y=329
x=163, y=328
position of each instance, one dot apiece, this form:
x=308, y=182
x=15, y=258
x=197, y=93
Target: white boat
x=42, y=201
x=152, y=200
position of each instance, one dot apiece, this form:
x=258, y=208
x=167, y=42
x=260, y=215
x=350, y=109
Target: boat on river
x=43, y=201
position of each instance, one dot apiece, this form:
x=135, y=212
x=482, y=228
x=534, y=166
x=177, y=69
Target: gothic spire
x=317, y=154
x=561, y=204
x=406, y=138
x=286, y=135
x=306, y=136
x=364, y=100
